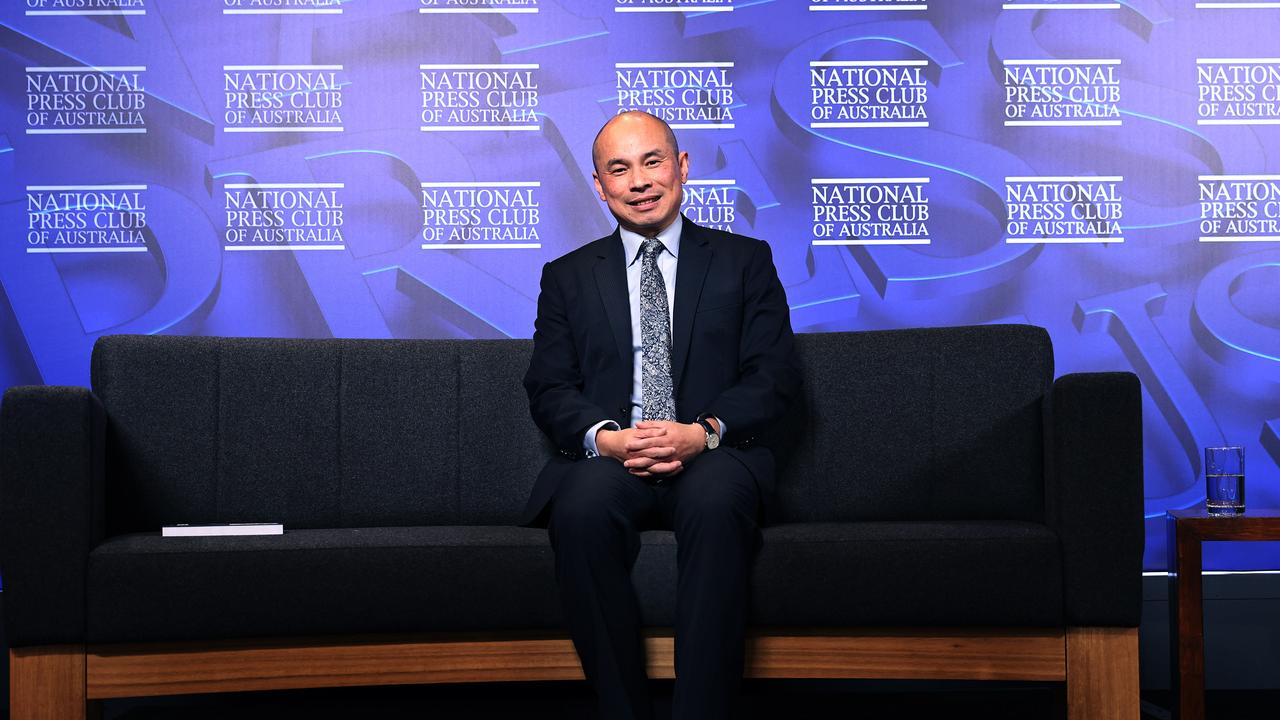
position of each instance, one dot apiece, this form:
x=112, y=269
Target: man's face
x=639, y=174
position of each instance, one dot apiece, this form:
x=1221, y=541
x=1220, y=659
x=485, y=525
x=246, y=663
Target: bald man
x=662, y=357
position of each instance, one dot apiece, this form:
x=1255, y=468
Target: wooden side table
x=1186, y=530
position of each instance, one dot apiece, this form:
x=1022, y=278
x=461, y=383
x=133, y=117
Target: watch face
x=713, y=441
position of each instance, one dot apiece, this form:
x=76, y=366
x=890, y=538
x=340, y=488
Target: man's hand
x=653, y=447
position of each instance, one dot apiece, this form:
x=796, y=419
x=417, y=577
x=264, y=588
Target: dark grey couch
x=945, y=510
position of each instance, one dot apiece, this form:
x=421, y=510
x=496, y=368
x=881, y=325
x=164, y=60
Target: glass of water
x=1224, y=480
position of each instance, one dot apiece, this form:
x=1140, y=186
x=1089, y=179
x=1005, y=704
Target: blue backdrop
x=402, y=168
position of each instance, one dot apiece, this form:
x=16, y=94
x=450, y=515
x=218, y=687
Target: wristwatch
x=713, y=437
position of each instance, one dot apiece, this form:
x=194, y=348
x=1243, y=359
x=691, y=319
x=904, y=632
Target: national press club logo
x=1063, y=209
x=282, y=98
x=1062, y=93
x=481, y=215
x=870, y=211
x=1236, y=5
x=1238, y=91
x=1037, y=5
x=479, y=97
x=687, y=95
x=1239, y=208
x=477, y=7
x=868, y=94
x=84, y=8
x=86, y=100
x=283, y=216
x=86, y=218
x=667, y=6
x=866, y=5
x=711, y=203
x=282, y=7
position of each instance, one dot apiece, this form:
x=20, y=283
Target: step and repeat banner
x=403, y=168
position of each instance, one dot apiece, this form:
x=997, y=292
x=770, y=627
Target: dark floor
x=792, y=700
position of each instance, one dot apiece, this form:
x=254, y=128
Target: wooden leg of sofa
x=48, y=683
x=1102, y=674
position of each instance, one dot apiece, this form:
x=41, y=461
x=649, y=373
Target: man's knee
x=588, y=501
x=721, y=490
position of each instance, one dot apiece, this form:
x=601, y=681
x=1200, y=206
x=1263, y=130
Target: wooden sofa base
x=1098, y=665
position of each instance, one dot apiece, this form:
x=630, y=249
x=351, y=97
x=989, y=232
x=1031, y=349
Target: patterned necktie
x=655, y=336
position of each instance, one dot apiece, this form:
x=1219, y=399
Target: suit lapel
x=691, y=271
x=611, y=280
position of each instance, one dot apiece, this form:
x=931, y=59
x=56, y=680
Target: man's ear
x=684, y=167
x=599, y=188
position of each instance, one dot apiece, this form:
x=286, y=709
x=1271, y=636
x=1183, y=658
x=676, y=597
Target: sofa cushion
x=936, y=423
x=920, y=574
x=312, y=433
x=501, y=450
x=920, y=424
x=319, y=582
x=477, y=578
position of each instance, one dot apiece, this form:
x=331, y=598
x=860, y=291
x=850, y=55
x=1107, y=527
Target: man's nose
x=639, y=180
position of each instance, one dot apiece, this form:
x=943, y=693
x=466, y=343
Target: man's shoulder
x=590, y=251
x=740, y=246
x=724, y=237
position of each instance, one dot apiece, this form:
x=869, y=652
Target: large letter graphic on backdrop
x=383, y=247
x=1224, y=332
x=1126, y=317
x=1271, y=439
x=173, y=100
x=181, y=243
x=970, y=171
x=63, y=305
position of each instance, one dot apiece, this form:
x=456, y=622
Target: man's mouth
x=645, y=202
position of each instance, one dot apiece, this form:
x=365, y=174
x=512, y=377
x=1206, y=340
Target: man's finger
x=639, y=463
x=638, y=444
x=666, y=468
x=659, y=452
x=649, y=431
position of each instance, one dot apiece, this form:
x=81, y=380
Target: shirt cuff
x=589, y=439
x=724, y=429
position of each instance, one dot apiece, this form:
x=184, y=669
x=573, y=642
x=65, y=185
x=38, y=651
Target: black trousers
x=597, y=513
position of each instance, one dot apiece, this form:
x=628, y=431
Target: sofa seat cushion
x=144, y=587
x=919, y=574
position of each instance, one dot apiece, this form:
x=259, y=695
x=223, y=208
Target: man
x=662, y=356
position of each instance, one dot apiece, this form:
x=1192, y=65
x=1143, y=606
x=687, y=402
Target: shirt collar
x=670, y=238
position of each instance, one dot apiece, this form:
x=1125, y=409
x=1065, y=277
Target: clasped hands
x=653, y=448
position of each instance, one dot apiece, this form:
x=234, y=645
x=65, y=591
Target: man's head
x=639, y=171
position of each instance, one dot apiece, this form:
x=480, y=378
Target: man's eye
x=652, y=163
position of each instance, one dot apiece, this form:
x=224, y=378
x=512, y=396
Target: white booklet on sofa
x=211, y=529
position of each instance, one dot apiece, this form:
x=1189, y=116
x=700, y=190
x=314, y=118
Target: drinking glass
x=1224, y=480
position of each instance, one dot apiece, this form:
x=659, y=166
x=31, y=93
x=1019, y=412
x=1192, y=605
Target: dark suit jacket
x=732, y=353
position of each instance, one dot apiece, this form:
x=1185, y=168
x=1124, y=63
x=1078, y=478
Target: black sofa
x=945, y=510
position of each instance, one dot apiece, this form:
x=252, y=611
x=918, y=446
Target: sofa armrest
x=51, y=516
x=1094, y=495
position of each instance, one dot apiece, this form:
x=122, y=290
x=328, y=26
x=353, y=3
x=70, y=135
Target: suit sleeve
x=769, y=376
x=554, y=380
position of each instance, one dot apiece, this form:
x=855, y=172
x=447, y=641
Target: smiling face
x=639, y=172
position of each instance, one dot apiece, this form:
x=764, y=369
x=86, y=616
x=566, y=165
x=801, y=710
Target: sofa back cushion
x=315, y=433
x=938, y=423
x=934, y=423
